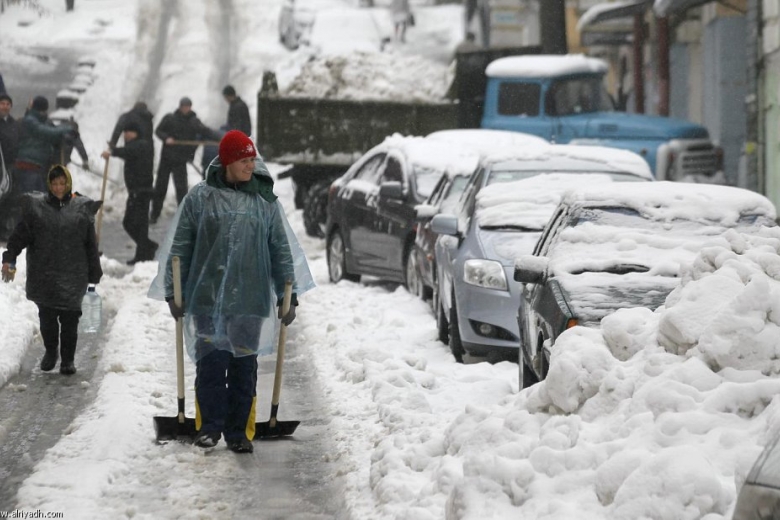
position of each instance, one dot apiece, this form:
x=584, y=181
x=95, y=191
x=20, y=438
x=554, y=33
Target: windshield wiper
x=616, y=269
x=510, y=226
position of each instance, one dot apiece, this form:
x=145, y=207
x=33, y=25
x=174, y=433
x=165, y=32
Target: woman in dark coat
x=57, y=229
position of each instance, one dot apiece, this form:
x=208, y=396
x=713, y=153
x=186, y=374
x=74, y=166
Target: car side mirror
x=391, y=191
x=445, y=224
x=425, y=211
x=531, y=269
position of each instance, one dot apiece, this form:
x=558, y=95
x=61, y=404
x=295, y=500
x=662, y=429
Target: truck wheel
x=315, y=209
x=455, y=345
x=337, y=260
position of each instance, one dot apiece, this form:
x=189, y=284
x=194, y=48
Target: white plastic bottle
x=91, y=311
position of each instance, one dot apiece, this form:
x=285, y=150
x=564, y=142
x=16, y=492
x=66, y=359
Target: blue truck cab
x=563, y=99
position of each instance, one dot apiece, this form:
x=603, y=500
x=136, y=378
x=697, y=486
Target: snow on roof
x=434, y=155
x=603, y=158
x=545, y=66
x=677, y=200
x=594, y=11
x=529, y=202
x=371, y=75
x=488, y=139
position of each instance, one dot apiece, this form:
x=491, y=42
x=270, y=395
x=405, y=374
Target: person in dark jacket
x=9, y=134
x=181, y=125
x=238, y=111
x=9, y=144
x=138, y=155
x=140, y=115
x=58, y=231
x=38, y=138
x=70, y=140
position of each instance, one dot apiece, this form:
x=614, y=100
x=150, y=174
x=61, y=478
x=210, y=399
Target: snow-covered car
x=371, y=226
x=612, y=247
x=445, y=195
x=759, y=496
x=498, y=219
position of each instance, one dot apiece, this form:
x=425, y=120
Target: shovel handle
x=176, y=266
x=102, y=199
x=280, y=353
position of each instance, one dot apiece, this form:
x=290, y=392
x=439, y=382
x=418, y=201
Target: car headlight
x=485, y=273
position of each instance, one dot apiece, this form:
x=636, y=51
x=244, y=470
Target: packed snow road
x=291, y=478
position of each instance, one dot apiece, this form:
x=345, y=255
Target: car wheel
x=527, y=376
x=412, y=278
x=442, y=326
x=337, y=260
x=455, y=344
x=315, y=209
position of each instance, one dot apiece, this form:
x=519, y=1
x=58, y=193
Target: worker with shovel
x=236, y=252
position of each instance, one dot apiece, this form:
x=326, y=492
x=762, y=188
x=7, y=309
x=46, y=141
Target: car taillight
x=572, y=322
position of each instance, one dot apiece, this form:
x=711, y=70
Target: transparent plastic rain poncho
x=237, y=250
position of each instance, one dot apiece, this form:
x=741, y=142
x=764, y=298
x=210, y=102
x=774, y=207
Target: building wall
x=771, y=134
x=770, y=100
x=724, y=88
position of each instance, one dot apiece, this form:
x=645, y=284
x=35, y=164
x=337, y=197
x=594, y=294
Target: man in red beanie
x=236, y=252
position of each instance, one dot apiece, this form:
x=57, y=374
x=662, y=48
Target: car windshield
x=498, y=176
x=426, y=180
x=578, y=96
x=622, y=240
x=456, y=189
x=630, y=218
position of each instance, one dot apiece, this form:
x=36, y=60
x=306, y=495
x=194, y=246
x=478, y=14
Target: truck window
x=577, y=96
x=518, y=99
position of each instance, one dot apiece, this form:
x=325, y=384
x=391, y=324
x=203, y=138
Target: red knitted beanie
x=235, y=146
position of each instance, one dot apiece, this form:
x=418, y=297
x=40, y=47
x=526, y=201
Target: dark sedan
x=371, y=223
x=619, y=246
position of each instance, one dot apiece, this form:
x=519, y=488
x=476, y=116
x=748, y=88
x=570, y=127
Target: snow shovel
x=177, y=428
x=102, y=199
x=272, y=427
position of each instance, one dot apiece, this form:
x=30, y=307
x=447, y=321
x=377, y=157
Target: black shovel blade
x=171, y=429
x=264, y=430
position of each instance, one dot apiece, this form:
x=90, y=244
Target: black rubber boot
x=49, y=359
x=66, y=366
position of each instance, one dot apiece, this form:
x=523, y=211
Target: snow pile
x=18, y=322
x=363, y=75
x=622, y=428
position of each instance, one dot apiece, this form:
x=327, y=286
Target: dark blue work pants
x=225, y=393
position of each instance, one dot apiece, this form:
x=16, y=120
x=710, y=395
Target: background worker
x=238, y=111
x=138, y=155
x=38, y=140
x=181, y=125
x=9, y=144
x=139, y=115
